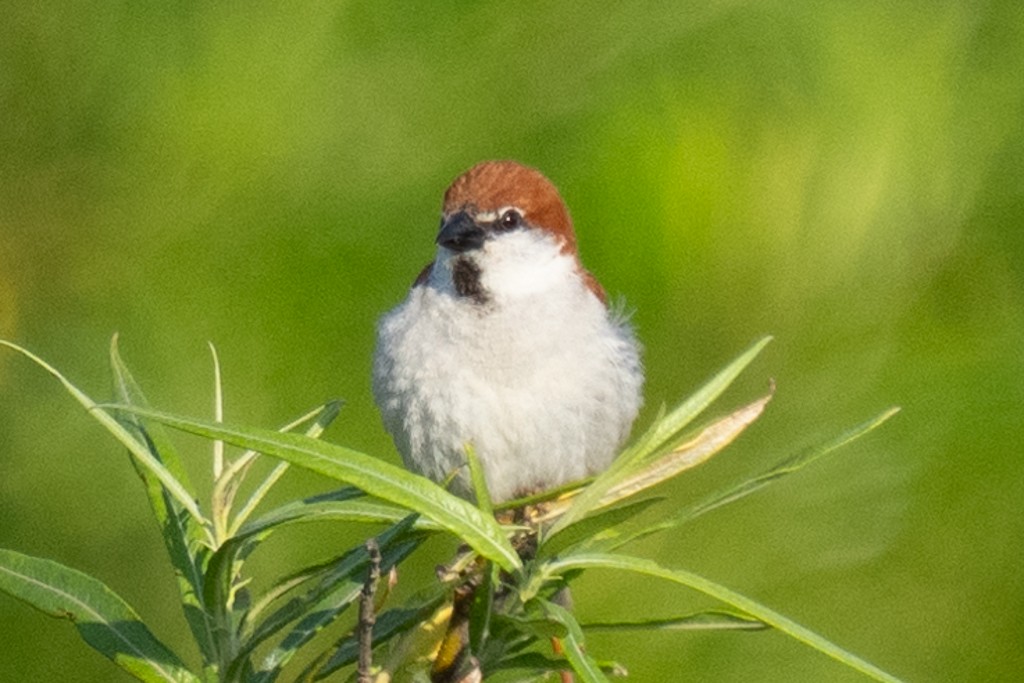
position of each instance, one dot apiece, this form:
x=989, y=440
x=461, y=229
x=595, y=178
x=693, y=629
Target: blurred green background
x=846, y=176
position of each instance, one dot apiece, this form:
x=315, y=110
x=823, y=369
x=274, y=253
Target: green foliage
x=499, y=600
x=102, y=618
x=847, y=175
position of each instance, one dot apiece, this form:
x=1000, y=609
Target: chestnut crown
x=493, y=185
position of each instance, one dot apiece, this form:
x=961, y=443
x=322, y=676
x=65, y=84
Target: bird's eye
x=510, y=220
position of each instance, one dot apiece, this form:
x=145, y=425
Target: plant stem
x=367, y=614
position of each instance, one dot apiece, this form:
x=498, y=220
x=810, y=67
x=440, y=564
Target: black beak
x=461, y=233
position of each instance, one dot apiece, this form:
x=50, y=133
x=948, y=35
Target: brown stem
x=368, y=614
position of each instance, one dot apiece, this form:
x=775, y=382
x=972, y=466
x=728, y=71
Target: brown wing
x=593, y=285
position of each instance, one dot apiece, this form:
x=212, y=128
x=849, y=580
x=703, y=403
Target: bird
x=507, y=344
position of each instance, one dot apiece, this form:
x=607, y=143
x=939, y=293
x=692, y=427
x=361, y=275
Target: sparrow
x=506, y=343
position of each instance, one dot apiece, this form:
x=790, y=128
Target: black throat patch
x=466, y=277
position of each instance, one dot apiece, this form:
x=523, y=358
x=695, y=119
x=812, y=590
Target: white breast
x=540, y=379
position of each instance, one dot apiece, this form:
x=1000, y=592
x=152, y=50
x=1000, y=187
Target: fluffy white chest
x=535, y=374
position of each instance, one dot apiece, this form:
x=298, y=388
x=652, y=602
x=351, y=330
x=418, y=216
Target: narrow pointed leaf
x=598, y=525
x=103, y=619
x=693, y=406
x=183, y=537
x=781, y=469
x=322, y=418
x=537, y=666
x=348, y=505
x=538, y=626
x=370, y=474
x=218, y=413
x=287, y=584
x=321, y=613
x=583, y=664
x=715, y=620
x=476, y=475
x=259, y=493
x=283, y=586
x=365, y=510
x=482, y=611
x=328, y=575
x=358, y=510
x=389, y=624
x=339, y=587
x=658, y=436
x=127, y=390
x=741, y=602
x=696, y=451
x=417, y=644
x=137, y=449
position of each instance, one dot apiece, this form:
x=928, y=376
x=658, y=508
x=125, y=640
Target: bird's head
x=498, y=197
x=505, y=231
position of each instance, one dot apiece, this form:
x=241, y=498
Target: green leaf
x=224, y=565
x=372, y=475
x=476, y=476
x=711, y=440
x=182, y=535
x=745, y=604
x=481, y=617
x=321, y=417
x=531, y=662
x=137, y=449
x=337, y=588
x=218, y=415
x=713, y=620
x=319, y=509
x=538, y=625
x=660, y=435
x=654, y=470
x=595, y=526
x=128, y=391
x=389, y=624
x=348, y=504
x=103, y=619
x=781, y=469
x=684, y=414
x=281, y=587
x=583, y=664
x=328, y=608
